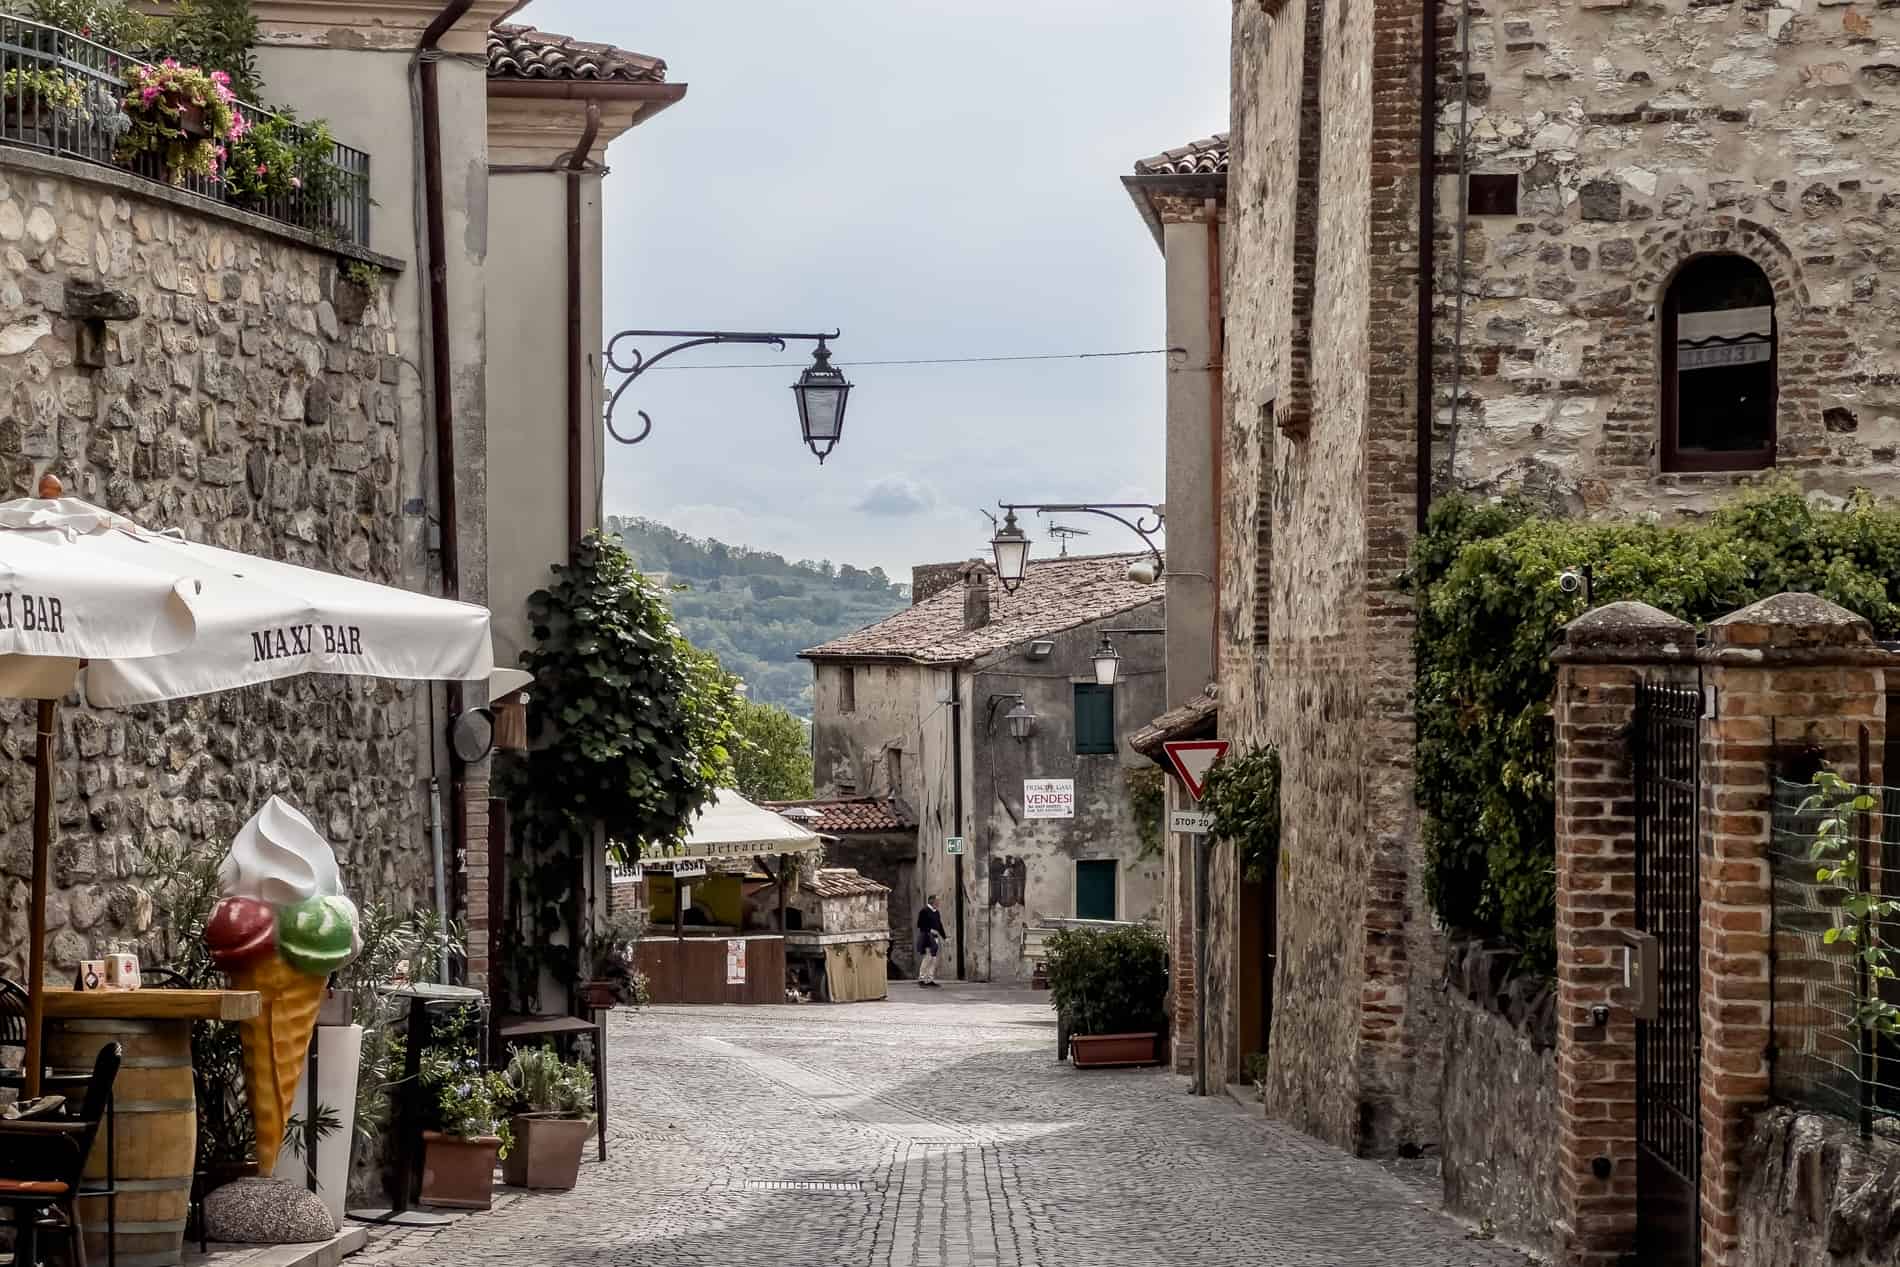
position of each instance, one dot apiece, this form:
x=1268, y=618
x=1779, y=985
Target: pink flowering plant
x=278, y=157
x=186, y=116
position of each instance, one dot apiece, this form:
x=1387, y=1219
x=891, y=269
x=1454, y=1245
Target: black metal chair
x=41, y=1164
x=12, y=1029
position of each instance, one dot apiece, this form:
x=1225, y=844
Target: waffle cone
x=276, y=1046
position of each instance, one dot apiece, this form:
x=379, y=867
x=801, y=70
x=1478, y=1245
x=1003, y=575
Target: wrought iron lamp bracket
x=1141, y=518
x=631, y=362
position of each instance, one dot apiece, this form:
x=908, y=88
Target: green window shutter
x=1095, y=890
x=1094, y=719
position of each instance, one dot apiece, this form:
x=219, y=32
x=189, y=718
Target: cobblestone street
x=935, y=1130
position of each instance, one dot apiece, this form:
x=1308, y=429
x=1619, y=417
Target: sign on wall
x=1048, y=798
x=735, y=962
x=953, y=844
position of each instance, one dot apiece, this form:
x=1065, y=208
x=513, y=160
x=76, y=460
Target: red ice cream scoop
x=241, y=930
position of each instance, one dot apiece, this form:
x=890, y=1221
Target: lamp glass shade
x=1011, y=549
x=822, y=392
x=1108, y=663
x=1022, y=722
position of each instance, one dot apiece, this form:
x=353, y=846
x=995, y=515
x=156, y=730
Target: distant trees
x=771, y=760
x=755, y=610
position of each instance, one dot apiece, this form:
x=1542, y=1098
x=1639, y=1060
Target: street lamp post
x=821, y=390
x=1010, y=545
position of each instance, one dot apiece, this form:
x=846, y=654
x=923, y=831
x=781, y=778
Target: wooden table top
x=153, y=1005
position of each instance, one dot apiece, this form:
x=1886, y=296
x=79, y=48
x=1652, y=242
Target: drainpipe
x=443, y=402
x=956, y=800
x=576, y=350
x=438, y=283
x=1427, y=214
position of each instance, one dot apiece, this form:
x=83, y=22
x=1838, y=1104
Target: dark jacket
x=929, y=930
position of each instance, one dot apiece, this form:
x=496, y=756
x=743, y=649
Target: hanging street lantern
x=1108, y=663
x=821, y=389
x=1011, y=548
x=822, y=392
x=1022, y=722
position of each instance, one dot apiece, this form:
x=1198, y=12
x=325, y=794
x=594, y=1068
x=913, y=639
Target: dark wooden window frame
x=1675, y=459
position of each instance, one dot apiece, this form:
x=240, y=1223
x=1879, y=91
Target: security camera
x=1143, y=571
x=1571, y=581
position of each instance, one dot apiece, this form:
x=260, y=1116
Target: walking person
x=929, y=943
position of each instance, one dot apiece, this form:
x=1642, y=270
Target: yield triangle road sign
x=1192, y=759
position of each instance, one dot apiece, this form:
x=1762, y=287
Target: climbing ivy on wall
x=1243, y=795
x=629, y=734
x=1491, y=607
x=1147, y=796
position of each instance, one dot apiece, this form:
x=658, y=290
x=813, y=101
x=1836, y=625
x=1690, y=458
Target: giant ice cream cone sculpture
x=282, y=928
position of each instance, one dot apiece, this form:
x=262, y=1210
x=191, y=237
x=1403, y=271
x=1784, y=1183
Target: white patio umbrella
x=152, y=616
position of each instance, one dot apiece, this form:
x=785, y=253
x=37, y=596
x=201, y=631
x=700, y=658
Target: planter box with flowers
x=183, y=116
x=554, y=1103
x=1109, y=988
x=467, y=1130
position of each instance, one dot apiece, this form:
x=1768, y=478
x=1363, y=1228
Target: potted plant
x=183, y=116
x=356, y=285
x=37, y=99
x=610, y=953
x=467, y=1129
x=554, y=1116
x=1109, y=988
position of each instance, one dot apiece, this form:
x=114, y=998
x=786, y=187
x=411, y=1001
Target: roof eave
x=655, y=96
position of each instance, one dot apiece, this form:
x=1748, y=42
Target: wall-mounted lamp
x=1021, y=720
x=1040, y=649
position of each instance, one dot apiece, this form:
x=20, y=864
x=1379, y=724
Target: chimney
x=976, y=594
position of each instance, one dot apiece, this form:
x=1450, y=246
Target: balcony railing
x=91, y=131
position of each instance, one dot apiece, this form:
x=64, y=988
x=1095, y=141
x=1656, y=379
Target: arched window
x=1718, y=363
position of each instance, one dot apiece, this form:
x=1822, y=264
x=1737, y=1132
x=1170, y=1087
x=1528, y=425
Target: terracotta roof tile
x=1195, y=719
x=522, y=52
x=853, y=814
x=844, y=882
x=1056, y=594
x=1206, y=157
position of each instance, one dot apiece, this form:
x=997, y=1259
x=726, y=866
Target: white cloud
x=896, y=495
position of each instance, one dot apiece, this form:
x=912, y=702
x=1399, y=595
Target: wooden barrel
x=155, y=1135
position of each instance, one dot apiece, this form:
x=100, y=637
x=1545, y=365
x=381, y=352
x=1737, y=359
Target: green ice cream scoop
x=317, y=936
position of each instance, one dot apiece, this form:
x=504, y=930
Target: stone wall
x=241, y=409
x=1325, y=486
x=1817, y=1194
x=1641, y=135
x=1498, y=1115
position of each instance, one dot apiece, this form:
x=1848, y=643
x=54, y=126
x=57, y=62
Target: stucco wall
x=1192, y=475
x=1023, y=870
x=1640, y=138
x=527, y=389
x=238, y=408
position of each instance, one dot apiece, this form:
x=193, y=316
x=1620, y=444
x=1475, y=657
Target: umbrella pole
x=43, y=757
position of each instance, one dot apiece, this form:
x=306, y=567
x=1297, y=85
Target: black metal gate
x=1668, y=908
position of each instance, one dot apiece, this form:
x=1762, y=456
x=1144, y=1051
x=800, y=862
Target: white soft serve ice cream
x=279, y=857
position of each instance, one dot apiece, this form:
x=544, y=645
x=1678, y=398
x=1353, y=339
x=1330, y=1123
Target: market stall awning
x=733, y=827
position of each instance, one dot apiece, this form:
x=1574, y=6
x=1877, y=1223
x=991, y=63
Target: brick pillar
x=1605, y=653
x=1800, y=672
x=474, y=851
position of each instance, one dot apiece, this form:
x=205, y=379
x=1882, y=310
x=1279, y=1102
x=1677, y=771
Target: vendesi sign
x=1048, y=798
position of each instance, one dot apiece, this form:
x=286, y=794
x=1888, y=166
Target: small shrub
x=1243, y=795
x=1109, y=981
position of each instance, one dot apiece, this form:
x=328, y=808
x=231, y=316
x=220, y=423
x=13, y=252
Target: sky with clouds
x=938, y=180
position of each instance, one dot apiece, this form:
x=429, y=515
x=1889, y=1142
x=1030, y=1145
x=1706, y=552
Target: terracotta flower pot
x=1096, y=1051
x=601, y=992
x=547, y=1151
x=192, y=121
x=458, y=1173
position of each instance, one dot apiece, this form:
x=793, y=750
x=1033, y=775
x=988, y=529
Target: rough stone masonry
x=238, y=407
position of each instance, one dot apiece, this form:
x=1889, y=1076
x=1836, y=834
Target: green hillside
x=757, y=611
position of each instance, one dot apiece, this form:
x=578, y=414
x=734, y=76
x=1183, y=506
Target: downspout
x=956, y=799
x=576, y=350
x=440, y=378
x=443, y=402
x=1216, y=406
x=1427, y=216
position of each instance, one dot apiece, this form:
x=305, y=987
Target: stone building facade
x=1651, y=244
x=240, y=407
x=915, y=708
